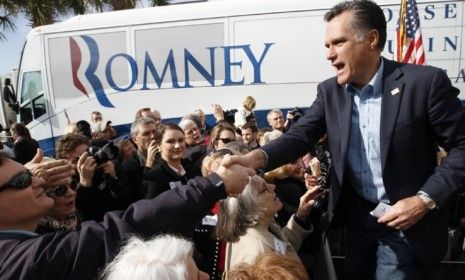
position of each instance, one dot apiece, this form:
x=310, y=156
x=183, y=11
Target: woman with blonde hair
x=245, y=114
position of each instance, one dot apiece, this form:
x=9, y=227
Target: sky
x=10, y=48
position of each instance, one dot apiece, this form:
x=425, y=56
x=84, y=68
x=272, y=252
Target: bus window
x=32, y=85
x=32, y=97
x=39, y=106
x=26, y=113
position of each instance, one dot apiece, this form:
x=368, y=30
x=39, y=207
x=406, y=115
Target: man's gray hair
x=135, y=127
x=184, y=123
x=276, y=110
x=161, y=258
x=239, y=213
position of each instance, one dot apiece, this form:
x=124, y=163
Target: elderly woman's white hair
x=239, y=213
x=270, y=136
x=184, y=123
x=161, y=258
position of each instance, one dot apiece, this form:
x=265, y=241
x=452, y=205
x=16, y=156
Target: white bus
x=180, y=58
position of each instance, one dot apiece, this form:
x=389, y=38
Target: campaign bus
x=180, y=58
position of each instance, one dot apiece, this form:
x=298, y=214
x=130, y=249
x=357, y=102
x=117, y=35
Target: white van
x=181, y=58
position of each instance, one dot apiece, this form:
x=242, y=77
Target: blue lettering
x=430, y=44
x=461, y=75
x=388, y=14
x=90, y=72
x=134, y=72
x=390, y=46
x=148, y=64
x=256, y=64
x=228, y=64
x=190, y=62
x=448, y=41
x=429, y=12
x=450, y=11
x=190, y=59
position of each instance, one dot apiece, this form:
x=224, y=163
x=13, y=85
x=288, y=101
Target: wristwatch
x=429, y=202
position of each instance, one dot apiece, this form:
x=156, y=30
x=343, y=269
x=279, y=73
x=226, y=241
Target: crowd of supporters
x=259, y=228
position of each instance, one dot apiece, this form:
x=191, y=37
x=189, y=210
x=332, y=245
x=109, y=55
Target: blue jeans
x=374, y=251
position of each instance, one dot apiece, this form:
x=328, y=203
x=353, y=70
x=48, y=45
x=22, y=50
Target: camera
x=107, y=152
x=229, y=116
x=296, y=112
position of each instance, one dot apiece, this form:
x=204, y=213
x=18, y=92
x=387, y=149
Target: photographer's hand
x=108, y=168
x=152, y=151
x=289, y=115
x=86, y=167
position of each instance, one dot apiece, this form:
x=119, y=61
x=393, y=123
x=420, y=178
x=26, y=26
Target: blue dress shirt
x=364, y=152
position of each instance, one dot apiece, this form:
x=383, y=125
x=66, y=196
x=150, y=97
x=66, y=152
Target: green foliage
x=42, y=12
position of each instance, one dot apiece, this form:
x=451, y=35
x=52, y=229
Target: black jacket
x=25, y=150
x=419, y=110
x=158, y=179
x=81, y=254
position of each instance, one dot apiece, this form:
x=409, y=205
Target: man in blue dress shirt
x=384, y=121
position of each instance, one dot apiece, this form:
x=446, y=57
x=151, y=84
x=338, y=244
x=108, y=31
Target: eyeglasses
x=59, y=191
x=21, y=181
x=226, y=140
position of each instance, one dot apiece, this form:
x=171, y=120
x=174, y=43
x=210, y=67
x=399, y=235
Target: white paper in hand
x=381, y=209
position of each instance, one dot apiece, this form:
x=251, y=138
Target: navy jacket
x=419, y=110
x=81, y=254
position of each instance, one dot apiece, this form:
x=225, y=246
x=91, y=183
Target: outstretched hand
x=235, y=177
x=254, y=159
x=308, y=200
x=54, y=172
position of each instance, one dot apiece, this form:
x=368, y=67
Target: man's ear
x=373, y=39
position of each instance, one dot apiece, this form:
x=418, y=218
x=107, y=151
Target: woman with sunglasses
x=100, y=187
x=62, y=216
x=171, y=167
x=222, y=134
x=247, y=223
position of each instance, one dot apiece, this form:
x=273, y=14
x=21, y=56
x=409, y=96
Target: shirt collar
x=375, y=82
x=180, y=172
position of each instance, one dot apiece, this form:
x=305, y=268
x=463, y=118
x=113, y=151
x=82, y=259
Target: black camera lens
x=104, y=154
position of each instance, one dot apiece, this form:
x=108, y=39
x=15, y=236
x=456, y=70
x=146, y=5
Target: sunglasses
x=59, y=191
x=21, y=181
x=226, y=140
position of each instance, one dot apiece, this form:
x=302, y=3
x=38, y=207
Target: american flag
x=408, y=34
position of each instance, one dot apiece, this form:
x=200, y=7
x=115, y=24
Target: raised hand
x=86, y=167
x=54, y=172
